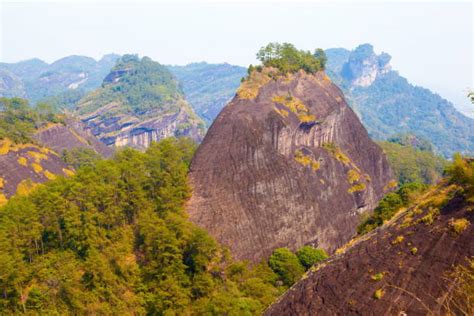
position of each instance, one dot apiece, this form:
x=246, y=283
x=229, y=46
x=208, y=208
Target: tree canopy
x=288, y=59
x=114, y=239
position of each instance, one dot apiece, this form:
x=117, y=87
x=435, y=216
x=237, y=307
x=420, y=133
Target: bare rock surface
x=286, y=163
x=407, y=267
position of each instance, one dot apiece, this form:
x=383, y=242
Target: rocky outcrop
x=286, y=163
x=364, y=66
x=70, y=134
x=139, y=102
x=22, y=166
x=417, y=264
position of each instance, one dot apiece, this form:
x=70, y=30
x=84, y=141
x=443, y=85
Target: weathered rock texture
x=23, y=166
x=403, y=268
x=286, y=163
x=71, y=134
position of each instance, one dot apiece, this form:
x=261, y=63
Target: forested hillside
x=388, y=104
x=114, y=239
x=139, y=101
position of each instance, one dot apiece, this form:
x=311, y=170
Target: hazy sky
x=431, y=43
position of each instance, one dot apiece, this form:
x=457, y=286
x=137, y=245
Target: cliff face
x=23, y=166
x=139, y=102
x=72, y=134
x=286, y=163
x=417, y=264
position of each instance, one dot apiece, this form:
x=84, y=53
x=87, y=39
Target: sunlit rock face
x=286, y=163
x=363, y=66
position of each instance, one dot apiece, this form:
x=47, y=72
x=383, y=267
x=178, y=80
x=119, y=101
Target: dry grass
x=250, y=88
x=23, y=161
x=458, y=225
x=357, y=188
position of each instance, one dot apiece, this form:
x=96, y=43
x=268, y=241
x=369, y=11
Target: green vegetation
x=377, y=276
x=461, y=172
x=389, y=206
x=287, y=59
x=80, y=157
x=286, y=265
x=309, y=256
x=378, y=294
x=114, y=239
x=414, y=162
x=290, y=266
x=18, y=121
x=139, y=84
x=391, y=105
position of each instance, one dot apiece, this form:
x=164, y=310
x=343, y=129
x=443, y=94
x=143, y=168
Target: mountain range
x=386, y=102
x=286, y=206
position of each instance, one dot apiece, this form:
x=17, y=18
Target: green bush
x=309, y=256
x=390, y=204
x=286, y=265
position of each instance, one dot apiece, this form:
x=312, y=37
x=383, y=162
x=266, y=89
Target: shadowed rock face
x=72, y=134
x=285, y=164
x=410, y=262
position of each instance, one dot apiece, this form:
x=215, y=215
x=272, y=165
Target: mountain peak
x=293, y=163
x=364, y=65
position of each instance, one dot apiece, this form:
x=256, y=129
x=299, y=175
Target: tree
x=309, y=256
x=287, y=265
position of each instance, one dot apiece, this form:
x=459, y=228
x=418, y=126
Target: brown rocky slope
x=286, y=163
x=70, y=134
x=420, y=263
x=22, y=166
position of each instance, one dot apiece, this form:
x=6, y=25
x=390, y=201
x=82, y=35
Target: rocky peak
x=363, y=66
x=289, y=163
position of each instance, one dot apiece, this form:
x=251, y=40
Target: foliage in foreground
x=290, y=266
x=114, y=239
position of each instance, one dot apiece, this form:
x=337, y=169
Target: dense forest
x=114, y=239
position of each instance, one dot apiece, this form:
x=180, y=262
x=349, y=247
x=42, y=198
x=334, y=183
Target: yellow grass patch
x=25, y=187
x=68, y=172
x=23, y=161
x=37, y=167
x=49, y=175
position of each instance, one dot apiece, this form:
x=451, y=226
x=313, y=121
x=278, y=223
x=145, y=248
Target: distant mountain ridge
x=35, y=79
x=208, y=87
x=388, y=104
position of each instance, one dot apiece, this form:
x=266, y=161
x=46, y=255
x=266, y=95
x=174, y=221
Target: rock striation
x=286, y=163
x=417, y=264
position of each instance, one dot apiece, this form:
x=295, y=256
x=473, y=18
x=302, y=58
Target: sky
x=431, y=43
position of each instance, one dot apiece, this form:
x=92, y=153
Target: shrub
x=459, y=225
x=378, y=294
x=286, y=265
x=377, y=277
x=309, y=256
